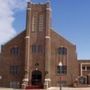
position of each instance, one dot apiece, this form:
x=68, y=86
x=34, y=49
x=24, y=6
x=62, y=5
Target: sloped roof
x=23, y=32
x=60, y=36
x=52, y=32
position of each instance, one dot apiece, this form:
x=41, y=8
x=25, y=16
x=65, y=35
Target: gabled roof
x=52, y=32
x=21, y=33
x=60, y=36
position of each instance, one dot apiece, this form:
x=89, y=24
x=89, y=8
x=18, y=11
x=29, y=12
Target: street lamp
x=60, y=68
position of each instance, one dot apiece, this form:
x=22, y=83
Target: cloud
x=7, y=11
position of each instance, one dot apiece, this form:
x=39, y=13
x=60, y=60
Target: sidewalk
x=52, y=88
x=68, y=88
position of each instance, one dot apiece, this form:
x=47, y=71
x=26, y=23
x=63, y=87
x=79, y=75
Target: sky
x=70, y=18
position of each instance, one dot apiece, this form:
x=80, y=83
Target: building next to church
x=39, y=55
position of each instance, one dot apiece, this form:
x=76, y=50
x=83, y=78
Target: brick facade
x=38, y=47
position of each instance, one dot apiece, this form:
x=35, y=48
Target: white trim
x=25, y=79
x=47, y=37
x=48, y=79
x=81, y=68
x=27, y=37
x=81, y=64
x=49, y=9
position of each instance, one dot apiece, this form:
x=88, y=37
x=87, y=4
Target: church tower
x=39, y=56
x=38, y=43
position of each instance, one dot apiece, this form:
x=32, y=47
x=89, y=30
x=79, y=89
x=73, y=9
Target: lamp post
x=60, y=65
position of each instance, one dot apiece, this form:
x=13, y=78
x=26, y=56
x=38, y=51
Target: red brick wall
x=8, y=59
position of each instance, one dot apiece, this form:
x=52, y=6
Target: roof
x=83, y=60
x=60, y=36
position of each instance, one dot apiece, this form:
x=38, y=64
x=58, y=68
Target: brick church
x=40, y=56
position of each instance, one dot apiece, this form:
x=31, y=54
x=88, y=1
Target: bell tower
x=38, y=41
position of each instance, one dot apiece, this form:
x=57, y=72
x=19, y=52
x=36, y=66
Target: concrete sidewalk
x=68, y=88
x=51, y=88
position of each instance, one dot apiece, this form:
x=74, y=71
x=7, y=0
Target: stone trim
x=49, y=9
x=47, y=37
x=27, y=37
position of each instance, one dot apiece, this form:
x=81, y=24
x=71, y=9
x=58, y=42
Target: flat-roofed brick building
x=38, y=54
x=84, y=72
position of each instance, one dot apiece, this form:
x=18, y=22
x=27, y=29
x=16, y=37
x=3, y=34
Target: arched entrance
x=36, y=77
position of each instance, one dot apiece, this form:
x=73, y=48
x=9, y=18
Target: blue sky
x=70, y=18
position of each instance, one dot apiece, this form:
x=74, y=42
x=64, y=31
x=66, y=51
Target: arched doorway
x=36, y=77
